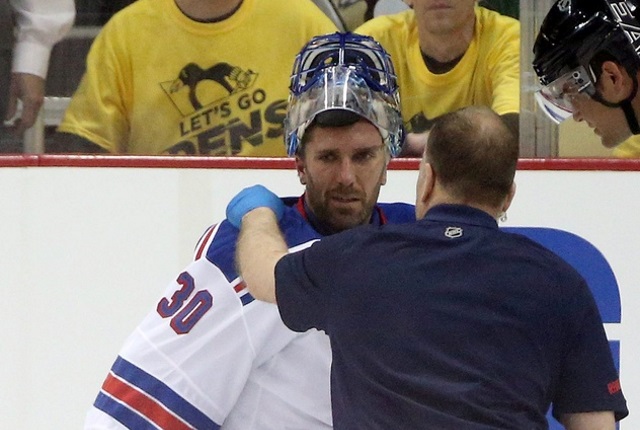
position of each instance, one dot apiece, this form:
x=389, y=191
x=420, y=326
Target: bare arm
x=414, y=144
x=39, y=26
x=260, y=246
x=589, y=421
x=513, y=122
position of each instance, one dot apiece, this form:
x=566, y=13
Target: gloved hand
x=251, y=198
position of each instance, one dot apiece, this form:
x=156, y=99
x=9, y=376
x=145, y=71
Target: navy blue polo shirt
x=450, y=323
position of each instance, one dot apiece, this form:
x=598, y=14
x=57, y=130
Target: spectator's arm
x=513, y=122
x=40, y=25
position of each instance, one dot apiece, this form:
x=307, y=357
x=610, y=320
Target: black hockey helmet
x=571, y=41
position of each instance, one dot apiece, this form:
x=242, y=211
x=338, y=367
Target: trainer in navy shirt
x=449, y=322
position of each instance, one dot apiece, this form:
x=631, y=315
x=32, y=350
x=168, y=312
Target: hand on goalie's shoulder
x=250, y=198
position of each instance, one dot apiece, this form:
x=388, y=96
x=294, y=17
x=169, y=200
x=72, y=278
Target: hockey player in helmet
x=586, y=56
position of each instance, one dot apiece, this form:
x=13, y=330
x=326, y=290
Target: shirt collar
x=461, y=214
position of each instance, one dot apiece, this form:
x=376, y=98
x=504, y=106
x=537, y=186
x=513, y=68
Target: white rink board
x=85, y=253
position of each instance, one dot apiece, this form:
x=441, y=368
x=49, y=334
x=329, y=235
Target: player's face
x=343, y=169
x=608, y=123
x=443, y=16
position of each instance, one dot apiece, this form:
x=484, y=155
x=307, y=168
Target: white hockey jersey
x=212, y=357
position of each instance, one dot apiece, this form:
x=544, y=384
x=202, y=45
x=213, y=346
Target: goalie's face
x=343, y=169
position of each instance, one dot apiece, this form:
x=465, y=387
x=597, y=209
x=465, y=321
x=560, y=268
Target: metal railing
x=50, y=115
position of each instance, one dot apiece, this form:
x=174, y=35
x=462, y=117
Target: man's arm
x=513, y=122
x=260, y=247
x=256, y=212
x=40, y=25
x=414, y=144
x=589, y=421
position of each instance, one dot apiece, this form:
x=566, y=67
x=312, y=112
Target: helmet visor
x=555, y=99
x=343, y=88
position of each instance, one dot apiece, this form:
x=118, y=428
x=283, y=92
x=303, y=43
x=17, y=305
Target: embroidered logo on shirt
x=453, y=232
x=614, y=386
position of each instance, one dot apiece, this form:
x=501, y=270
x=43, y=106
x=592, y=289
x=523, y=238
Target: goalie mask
x=338, y=78
x=574, y=39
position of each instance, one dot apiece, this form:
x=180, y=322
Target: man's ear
x=614, y=83
x=428, y=183
x=509, y=198
x=301, y=169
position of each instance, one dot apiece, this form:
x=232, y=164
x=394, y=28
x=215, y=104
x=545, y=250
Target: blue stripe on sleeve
x=246, y=299
x=122, y=413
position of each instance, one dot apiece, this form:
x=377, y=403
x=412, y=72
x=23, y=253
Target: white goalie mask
x=347, y=74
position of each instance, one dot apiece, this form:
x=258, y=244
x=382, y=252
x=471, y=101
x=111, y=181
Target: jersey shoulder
x=398, y=213
x=218, y=243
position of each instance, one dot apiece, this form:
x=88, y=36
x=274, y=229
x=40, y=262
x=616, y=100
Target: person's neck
x=208, y=10
x=495, y=212
x=446, y=47
x=635, y=102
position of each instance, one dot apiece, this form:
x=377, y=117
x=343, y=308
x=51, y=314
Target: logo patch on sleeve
x=614, y=386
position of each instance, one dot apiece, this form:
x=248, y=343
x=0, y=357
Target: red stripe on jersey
x=381, y=214
x=204, y=243
x=239, y=287
x=300, y=207
x=140, y=402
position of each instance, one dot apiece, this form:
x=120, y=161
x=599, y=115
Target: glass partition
x=539, y=137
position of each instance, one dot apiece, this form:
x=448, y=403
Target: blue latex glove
x=251, y=198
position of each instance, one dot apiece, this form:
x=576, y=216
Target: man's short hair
x=474, y=154
x=328, y=119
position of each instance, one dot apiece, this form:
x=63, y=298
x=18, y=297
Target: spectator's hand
x=30, y=90
x=414, y=144
x=251, y=198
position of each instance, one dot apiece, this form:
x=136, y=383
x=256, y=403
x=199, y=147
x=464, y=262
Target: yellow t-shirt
x=488, y=73
x=158, y=82
x=630, y=148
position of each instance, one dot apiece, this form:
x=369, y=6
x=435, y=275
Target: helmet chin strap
x=625, y=105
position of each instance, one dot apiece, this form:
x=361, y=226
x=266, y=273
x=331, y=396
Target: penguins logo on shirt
x=192, y=80
x=223, y=108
